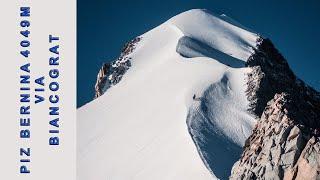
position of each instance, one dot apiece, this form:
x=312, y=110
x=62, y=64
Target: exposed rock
x=272, y=73
x=284, y=143
x=111, y=73
x=277, y=147
x=308, y=164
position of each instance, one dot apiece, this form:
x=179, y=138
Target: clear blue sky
x=105, y=25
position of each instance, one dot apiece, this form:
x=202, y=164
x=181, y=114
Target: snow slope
x=148, y=126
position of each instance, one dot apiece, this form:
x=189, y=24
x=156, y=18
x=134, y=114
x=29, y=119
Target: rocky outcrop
x=285, y=142
x=280, y=147
x=111, y=73
x=308, y=164
x=271, y=74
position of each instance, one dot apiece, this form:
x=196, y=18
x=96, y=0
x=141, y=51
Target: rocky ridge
x=111, y=72
x=285, y=142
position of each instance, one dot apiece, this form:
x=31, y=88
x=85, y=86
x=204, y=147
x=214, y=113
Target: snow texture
x=149, y=126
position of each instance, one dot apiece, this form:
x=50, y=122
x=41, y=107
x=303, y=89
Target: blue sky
x=105, y=25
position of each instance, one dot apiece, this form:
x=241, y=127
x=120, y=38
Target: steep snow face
x=219, y=123
x=179, y=112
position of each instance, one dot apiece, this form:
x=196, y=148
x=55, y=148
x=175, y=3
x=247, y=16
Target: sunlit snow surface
x=149, y=127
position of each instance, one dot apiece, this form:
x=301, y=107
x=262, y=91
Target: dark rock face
x=285, y=141
x=111, y=73
x=272, y=73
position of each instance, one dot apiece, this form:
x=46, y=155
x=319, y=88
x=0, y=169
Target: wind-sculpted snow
x=234, y=22
x=215, y=32
x=219, y=123
x=190, y=48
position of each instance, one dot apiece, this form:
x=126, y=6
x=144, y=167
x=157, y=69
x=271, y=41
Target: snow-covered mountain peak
x=172, y=106
x=197, y=33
